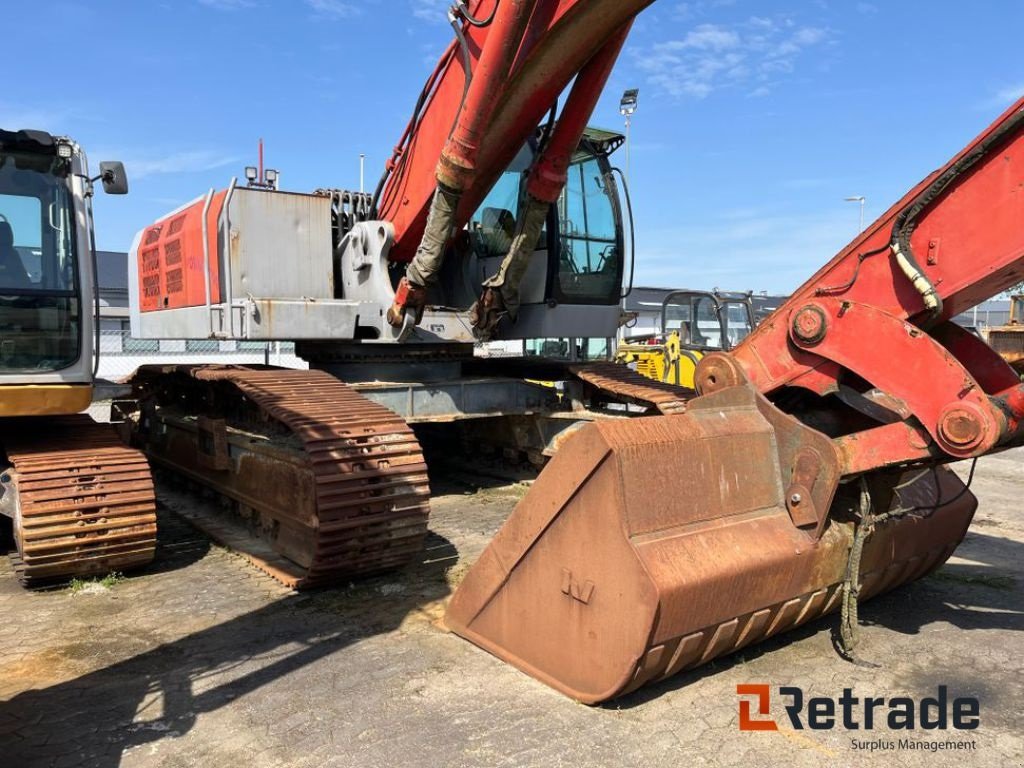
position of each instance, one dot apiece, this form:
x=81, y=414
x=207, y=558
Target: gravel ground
x=203, y=661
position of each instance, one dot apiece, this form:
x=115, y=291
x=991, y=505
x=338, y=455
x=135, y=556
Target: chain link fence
x=121, y=354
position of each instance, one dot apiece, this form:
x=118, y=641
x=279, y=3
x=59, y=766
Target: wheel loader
x=78, y=502
x=1008, y=340
x=692, y=324
x=804, y=472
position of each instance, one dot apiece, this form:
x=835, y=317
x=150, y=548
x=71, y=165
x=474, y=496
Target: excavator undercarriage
x=329, y=484
x=321, y=483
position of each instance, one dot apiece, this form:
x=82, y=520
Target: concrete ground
x=203, y=661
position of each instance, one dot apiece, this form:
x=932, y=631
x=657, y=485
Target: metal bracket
x=799, y=498
x=905, y=362
x=213, y=444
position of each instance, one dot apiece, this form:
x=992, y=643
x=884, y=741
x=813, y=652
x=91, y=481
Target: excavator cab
x=579, y=259
x=46, y=276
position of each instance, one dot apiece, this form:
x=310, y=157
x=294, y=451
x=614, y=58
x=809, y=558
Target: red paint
x=170, y=258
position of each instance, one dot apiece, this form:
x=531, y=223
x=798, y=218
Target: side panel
x=280, y=245
x=44, y=399
x=170, y=259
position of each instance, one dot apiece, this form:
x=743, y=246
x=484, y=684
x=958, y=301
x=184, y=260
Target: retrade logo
x=939, y=712
x=748, y=723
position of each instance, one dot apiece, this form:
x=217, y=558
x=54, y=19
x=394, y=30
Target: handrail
x=206, y=257
x=228, y=297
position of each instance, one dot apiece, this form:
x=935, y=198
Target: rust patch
x=329, y=484
x=85, y=501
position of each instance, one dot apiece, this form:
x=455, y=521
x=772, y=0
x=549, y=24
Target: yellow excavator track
x=81, y=501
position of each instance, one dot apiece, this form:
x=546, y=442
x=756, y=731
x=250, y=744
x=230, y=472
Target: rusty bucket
x=652, y=545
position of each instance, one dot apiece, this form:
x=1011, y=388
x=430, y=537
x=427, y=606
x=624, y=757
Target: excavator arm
x=805, y=476
x=519, y=56
x=877, y=318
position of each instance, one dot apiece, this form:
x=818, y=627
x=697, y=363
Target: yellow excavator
x=693, y=323
x=77, y=501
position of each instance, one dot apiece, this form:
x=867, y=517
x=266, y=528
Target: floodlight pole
x=627, y=106
x=628, y=123
x=858, y=199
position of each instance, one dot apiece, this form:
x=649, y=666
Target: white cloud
x=333, y=9
x=228, y=5
x=187, y=161
x=707, y=37
x=1004, y=97
x=430, y=10
x=712, y=56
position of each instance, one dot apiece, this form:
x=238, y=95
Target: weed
x=76, y=585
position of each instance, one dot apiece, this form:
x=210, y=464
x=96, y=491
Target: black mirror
x=115, y=180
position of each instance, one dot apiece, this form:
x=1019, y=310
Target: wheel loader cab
x=693, y=323
x=705, y=321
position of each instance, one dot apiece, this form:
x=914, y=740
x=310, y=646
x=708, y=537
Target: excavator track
x=622, y=383
x=328, y=484
x=82, y=502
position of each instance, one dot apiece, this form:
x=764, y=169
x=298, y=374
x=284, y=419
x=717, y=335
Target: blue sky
x=756, y=119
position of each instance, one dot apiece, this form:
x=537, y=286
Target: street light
x=627, y=106
x=858, y=199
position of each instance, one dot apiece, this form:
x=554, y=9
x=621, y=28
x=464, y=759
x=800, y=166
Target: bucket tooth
x=653, y=545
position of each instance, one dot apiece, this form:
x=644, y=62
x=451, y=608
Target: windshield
x=493, y=225
x=39, y=308
x=737, y=321
x=590, y=262
x=695, y=317
x=586, y=264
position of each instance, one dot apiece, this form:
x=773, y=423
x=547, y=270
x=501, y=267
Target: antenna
x=256, y=176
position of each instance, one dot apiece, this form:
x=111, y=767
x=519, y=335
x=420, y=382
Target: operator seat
x=684, y=332
x=12, y=270
x=497, y=228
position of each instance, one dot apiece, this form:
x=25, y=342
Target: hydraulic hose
x=906, y=221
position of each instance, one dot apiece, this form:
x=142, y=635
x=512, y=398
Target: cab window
x=590, y=261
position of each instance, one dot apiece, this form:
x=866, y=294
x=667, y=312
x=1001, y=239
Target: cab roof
x=28, y=141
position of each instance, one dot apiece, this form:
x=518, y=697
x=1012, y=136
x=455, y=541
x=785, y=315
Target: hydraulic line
x=632, y=231
x=463, y=10
x=456, y=167
x=548, y=176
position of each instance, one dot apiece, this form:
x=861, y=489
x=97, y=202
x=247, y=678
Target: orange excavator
x=804, y=473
